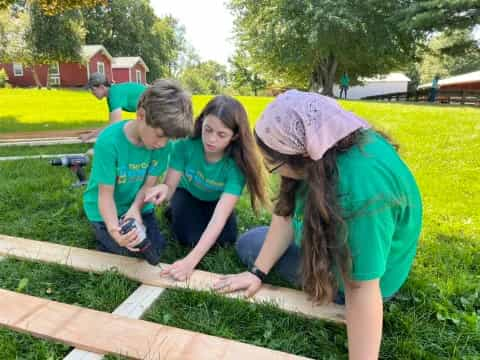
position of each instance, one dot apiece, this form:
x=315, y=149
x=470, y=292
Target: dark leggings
x=190, y=217
x=106, y=243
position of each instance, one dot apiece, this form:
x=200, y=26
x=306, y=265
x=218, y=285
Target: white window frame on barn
x=138, y=76
x=101, y=65
x=54, y=74
x=17, y=69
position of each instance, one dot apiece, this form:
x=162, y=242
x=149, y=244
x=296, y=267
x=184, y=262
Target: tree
x=243, y=73
x=449, y=54
x=13, y=28
x=310, y=42
x=52, y=7
x=451, y=17
x=187, y=58
x=439, y=15
x=54, y=38
x=207, y=77
x=131, y=28
x=33, y=37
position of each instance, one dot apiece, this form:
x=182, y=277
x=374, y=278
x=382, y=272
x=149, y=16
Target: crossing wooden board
x=133, y=308
x=113, y=334
x=136, y=269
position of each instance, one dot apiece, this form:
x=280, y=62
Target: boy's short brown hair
x=169, y=107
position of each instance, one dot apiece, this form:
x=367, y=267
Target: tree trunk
x=35, y=77
x=328, y=68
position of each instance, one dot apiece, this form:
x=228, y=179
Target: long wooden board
x=107, y=333
x=43, y=141
x=133, y=308
x=89, y=260
x=28, y=157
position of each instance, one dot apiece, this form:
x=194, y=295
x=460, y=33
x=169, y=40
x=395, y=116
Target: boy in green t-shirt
x=129, y=157
x=123, y=96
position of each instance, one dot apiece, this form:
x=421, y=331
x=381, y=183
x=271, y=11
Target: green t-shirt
x=345, y=80
x=125, y=166
x=124, y=96
x=382, y=208
x=205, y=181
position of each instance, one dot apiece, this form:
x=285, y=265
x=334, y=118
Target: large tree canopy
x=310, y=42
x=443, y=56
x=30, y=36
x=52, y=7
x=441, y=15
x=56, y=37
x=130, y=28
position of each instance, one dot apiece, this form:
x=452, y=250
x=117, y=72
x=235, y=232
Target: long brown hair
x=242, y=148
x=324, y=231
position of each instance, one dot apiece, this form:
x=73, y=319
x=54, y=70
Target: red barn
x=129, y=69
x=95, y=58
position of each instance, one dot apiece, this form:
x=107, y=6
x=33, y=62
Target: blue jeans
x=343, y=90
x=107, y=244
x=248, y=247
x=190, y=217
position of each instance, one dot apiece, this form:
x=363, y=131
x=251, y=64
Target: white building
x=383, y=84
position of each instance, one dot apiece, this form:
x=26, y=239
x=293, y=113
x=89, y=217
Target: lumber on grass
x=113, y=334
x=133, y=307
x=139, y=270
x=43, y=141
x=29, y=157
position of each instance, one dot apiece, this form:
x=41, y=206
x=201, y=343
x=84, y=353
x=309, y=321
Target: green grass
x=436, y=315
x=42, y=110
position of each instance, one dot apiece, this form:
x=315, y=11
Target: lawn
x=37, y=110
x=435, y=316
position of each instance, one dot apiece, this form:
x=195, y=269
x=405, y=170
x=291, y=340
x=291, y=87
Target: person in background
x=434, y=88
x=344, y=84
x=120, y=97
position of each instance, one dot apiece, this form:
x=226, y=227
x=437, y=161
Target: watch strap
x=258, y=273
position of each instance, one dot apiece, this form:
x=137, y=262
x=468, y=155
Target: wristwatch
x=258, y=273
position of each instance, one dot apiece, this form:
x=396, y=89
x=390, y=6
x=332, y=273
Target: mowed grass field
x=435, y=316
x=38, y=110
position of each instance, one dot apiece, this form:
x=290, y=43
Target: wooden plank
x=133, y=308
x=25, y=157
x=136, y=269
x=43, y=134
x=102, y=332
x=43, y=141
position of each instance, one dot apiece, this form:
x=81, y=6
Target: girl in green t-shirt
x=348, y=218
x=206, y=178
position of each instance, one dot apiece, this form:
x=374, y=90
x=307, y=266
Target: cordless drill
x=145, y=246
x=76, y=164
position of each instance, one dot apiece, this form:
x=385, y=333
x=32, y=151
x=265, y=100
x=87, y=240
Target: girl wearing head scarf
x=348, y=217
